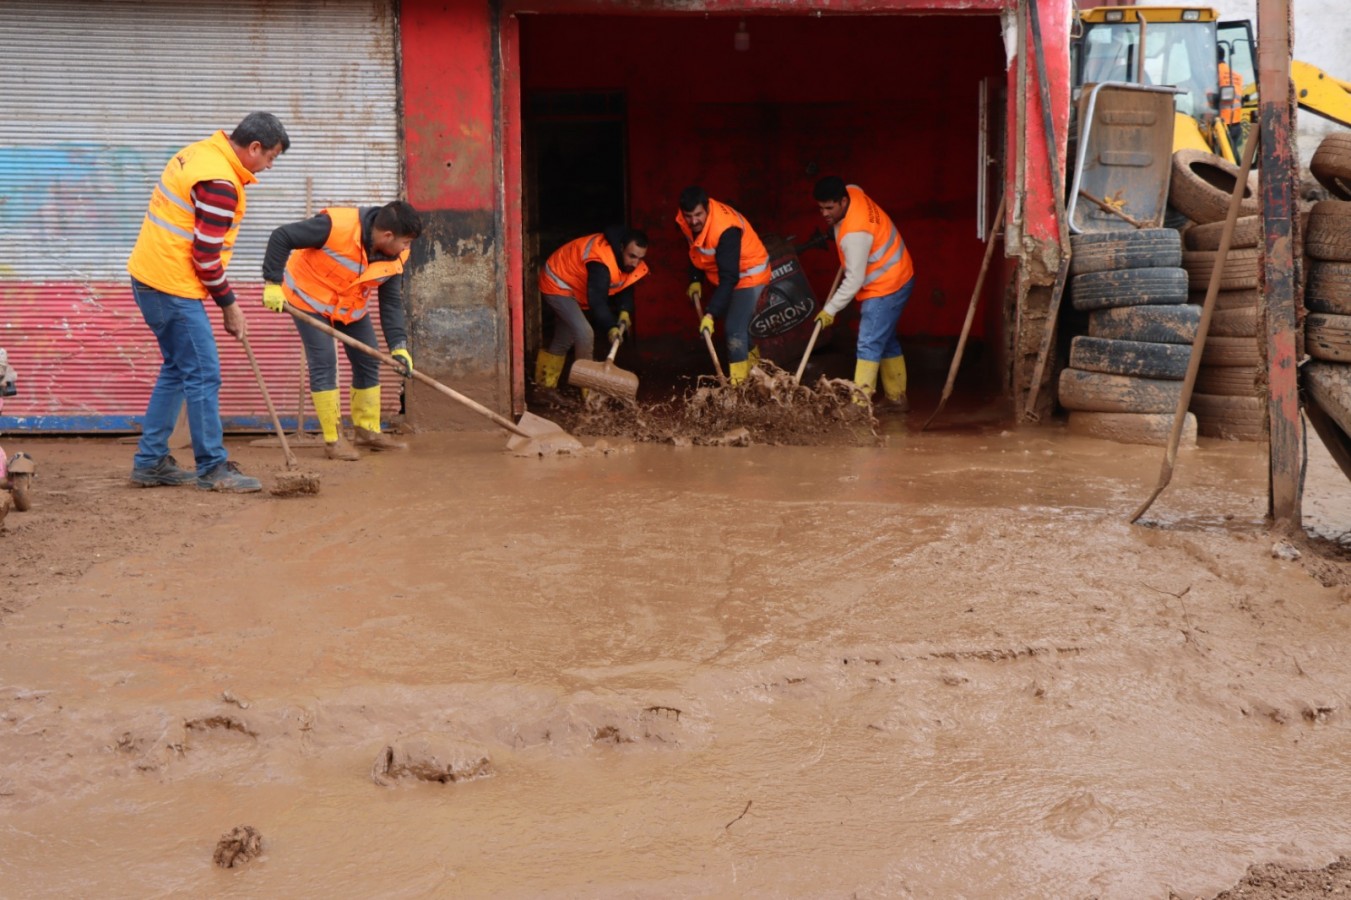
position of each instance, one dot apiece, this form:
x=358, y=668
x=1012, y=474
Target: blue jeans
x=878, y=316
x=322, y=359
x=737, y=325
x=191, y=372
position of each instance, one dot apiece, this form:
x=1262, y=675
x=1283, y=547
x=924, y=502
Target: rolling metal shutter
x=98, y=95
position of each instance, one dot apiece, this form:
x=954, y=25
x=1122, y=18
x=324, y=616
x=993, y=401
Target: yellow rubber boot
x=754, y=356
x=366, y=421
x=737, y=371
x=893, y=384
x=548, y=369
x=326, y=407
x=865, y=377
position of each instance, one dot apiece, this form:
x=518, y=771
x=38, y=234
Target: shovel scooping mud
x=534, y=435
x=606, y=377
x=290, y=483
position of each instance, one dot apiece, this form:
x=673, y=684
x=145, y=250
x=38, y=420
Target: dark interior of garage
x=621, y=113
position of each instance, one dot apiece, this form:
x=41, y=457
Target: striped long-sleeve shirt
x=213, y=204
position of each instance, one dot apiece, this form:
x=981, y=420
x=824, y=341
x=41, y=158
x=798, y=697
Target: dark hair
x=400, y=218
x=830, y=188
x=634, y=236
x=1219, y=54
x=264, y=128
x=693, y=197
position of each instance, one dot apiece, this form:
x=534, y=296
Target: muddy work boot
x=893, y=405
x=341, y=449
x=227, y=479
x=164, y=473
x=377, y=440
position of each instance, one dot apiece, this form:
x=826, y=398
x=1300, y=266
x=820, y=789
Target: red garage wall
x=888, y=102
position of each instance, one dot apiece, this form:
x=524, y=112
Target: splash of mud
x=768, y=408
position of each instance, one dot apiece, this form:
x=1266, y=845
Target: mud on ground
x=945, y=667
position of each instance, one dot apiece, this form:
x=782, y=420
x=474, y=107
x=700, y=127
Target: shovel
x=606, y=377
x=708, y=339
x=547, y=436
x=816, y=332
x=290, y=482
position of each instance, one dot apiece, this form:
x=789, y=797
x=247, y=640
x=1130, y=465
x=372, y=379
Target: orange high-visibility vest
x=1231, y=111
x=889, y=264
x=754, y=265
x=336, y=279
x=564, y=274
x=162, y=257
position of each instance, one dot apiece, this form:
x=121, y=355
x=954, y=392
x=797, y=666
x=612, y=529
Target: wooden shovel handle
x=267, y=398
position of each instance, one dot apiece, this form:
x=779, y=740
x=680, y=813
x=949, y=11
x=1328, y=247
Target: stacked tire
x=1125, y=375
x=1228, y=400
x=1327, y=293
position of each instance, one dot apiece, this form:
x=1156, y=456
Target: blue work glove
x=403, y=356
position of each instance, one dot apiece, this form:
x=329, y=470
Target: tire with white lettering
x=1329, y=233
x=1100, y=392
x=1201, y=184
x=1132, y=428
x=1328, y=337
x=1241, y=268
x=1128, y=287
x=1107, y=250
x=1247, y=233
x=1172, y=324
x=1331, y=165
x=1329, y=287
x=1139, y=358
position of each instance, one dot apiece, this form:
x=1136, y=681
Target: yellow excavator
x=1185, y=48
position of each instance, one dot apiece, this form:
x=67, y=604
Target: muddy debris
x=768, y=408
x=238, y=847
x=429, y=757
x=295, y=484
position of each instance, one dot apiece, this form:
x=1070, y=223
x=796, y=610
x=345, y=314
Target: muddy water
x=944, y=668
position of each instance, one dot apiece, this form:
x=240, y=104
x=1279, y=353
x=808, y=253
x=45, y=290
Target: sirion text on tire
x=1133, y=428
x=1234, y=322
x=1247, y=233
x=1329, y=287
x=1146, y=360
x=1100, y=392
x=1201, y=185
x=1172, y=324
x=1329, y=233
x=1331, y=165
x=1128, y=287
x=1231, y=418
x=1227, y=381
x=1241, y=269
x=1108, y=250
x=1230, y=351
x=1328, y=337
x=1248, y=298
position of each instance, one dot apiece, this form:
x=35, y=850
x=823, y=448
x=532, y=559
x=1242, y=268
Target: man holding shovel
x=580, y=281
x=179, y=260
x=879, y=274
x=328, y=266
x=726, y=250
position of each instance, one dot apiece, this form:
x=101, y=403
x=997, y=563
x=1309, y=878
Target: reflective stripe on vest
x=162, y=257
x=336, y=280
x=754, y=262
x=889, y=264
x=565, y=271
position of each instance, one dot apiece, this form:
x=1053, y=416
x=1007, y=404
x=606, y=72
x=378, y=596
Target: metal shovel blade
x=546, y=438
x=605, y=377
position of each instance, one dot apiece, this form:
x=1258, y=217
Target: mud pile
x=768, y=408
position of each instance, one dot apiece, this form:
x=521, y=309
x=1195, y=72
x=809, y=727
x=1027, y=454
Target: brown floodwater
x=945, y=667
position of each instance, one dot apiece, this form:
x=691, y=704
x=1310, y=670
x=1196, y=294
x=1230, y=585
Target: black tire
x=1104, y=251
x=1234, y=322
x=1227, y=381
x=1230, y=351
x=1132, y=428
x=1173, y=324
x=1331, y=165
x=1098, y=392
x=1242, y=268
x=18, y=489
x=1248, y=298
x=1129, y=287
x=1329, y=233
x=1230, y=418
x=1247, y=233
x=1329, y=287
x=1328, y=337
x=1144, y=360
x=1329, y=385
x=1201, y=185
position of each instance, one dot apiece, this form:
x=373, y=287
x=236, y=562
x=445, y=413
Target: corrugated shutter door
x=98, y=94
